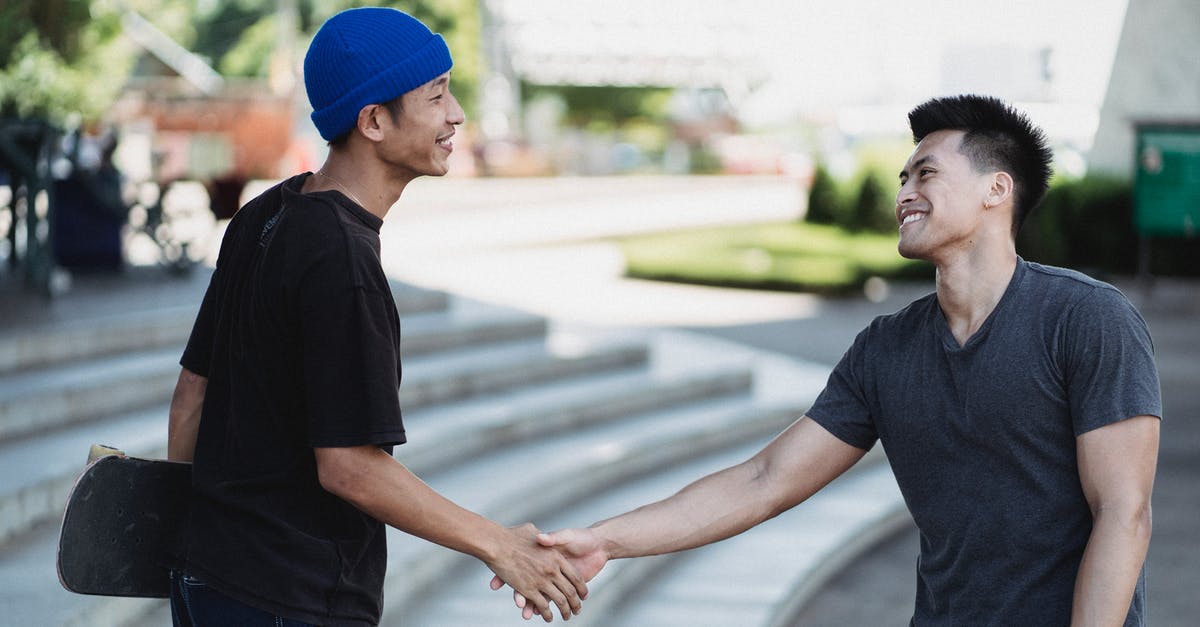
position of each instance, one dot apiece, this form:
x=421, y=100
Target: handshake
x=554, y=572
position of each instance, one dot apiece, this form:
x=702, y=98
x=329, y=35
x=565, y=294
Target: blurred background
x=142, y=99
x=664, y=222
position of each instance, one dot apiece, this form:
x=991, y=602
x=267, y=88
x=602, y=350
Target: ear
x=368, y=122
x=1000, y=191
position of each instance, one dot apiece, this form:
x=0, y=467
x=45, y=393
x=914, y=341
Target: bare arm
x=797, y=463
x=1116, y=469
x=382, y=487
x=184, y=418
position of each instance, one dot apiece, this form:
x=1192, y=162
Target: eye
x=925, y=171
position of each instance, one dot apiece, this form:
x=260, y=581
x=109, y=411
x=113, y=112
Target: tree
x=824, y=198
x=65, y=60
x=239, y=36
x=51, y=52
x=873, y=207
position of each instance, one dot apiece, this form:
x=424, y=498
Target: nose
x=906, y=194
x=456, y=115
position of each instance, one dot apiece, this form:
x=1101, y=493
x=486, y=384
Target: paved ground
x=538, y=246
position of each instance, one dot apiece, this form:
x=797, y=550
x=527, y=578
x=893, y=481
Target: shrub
x=874, y=207
x=1087, y=224
x=824, y=198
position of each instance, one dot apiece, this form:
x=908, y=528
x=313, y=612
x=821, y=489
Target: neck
x=360, y=180
x=969, y=288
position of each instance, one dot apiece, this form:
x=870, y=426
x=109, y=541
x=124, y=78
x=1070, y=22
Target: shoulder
x=1072, y=290
x=915, y=314
x=897, y=330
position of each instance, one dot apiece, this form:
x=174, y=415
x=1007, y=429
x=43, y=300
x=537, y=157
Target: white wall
x=1156, y=76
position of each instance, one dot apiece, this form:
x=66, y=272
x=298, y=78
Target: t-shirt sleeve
x=350, y=363
x=1110, y=370
x=842, y=407
x=197, y=355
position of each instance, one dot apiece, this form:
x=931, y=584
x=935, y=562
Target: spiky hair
x=998, y=138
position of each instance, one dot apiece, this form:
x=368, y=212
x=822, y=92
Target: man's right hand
x=583, y=549
x=539, y=574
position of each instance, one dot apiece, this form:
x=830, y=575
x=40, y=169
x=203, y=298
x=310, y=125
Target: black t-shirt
x=981, y=437
x=299, y=337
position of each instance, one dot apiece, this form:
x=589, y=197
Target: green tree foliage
x=239, y=36
x=64, y=60
x=51, y=53
x=874, y=206
x=825, y=204
x=610, y=106
x=1087, y=224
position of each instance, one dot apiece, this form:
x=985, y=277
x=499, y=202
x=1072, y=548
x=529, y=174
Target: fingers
x=577, y=582
x=541, y=577
x=564, y=590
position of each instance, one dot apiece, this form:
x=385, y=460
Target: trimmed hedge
x=1087, y=224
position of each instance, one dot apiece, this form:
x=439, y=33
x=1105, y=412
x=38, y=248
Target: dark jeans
x=194, y=604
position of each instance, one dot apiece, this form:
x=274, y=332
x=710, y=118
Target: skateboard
x=122, y=522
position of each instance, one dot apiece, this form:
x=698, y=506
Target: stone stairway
x=506, y=413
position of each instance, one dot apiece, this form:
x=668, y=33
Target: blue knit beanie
x=366, y=56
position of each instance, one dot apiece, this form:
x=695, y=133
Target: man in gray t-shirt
x=1019, y=407
x=982, y=437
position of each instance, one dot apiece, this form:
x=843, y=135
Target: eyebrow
x=437, y=83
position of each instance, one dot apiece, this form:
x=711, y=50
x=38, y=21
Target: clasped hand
x=583, y=552
x=541, y=575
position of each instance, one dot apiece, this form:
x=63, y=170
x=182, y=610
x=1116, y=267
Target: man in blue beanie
x=287, y=400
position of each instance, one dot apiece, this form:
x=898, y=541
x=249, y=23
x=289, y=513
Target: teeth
x=912, y=217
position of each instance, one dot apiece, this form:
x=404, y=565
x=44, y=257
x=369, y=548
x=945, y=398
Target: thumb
x=548, y=539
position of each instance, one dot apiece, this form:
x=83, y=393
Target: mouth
x=908, y=216
x=444, y=142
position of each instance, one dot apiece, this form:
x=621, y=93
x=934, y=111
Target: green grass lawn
x=780, y=256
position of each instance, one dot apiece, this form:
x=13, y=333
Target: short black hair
x=998, y=138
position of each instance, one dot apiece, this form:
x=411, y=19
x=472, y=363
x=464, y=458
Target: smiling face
x=417, y=137
x=941, y=200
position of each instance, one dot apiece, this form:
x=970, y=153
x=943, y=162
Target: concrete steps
x=752, y=579
x=506, y=413
x=477, y=378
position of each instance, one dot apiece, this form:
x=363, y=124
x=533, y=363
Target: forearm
x=385, y=489
x=374, y=482
x=716, y=507
x=798, y=462
x=183, y=422
x=1110, y=567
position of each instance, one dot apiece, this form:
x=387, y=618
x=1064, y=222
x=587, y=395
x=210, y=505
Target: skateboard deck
x=122, y=521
